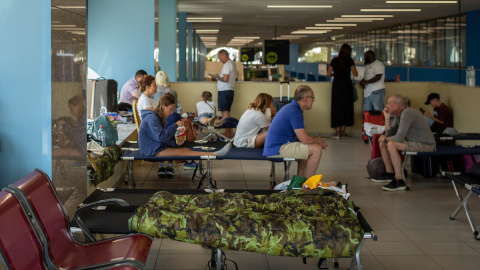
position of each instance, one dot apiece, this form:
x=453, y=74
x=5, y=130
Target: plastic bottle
x=101, y=136
x=103, y=110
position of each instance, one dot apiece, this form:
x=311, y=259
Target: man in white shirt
x=373, y=82
x=225, y=85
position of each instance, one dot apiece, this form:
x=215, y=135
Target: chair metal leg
x=404, y=177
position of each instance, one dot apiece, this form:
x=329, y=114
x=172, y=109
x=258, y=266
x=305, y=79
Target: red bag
x=373, y=117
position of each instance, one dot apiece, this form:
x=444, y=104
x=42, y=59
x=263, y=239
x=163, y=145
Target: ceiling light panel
x=335, y=24
x=366, y=16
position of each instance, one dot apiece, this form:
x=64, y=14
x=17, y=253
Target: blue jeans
x=374, y=101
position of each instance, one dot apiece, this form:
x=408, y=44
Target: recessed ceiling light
x=421, y=2
x=349, y=21
x=323, y=28
x=311, y=32
x=335, y=24
x=298, y=6
x=359, y=19
x=391, y=10
x=367, y=16
x=207, y=31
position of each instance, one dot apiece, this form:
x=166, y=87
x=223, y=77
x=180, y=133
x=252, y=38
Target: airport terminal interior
x=426, y=47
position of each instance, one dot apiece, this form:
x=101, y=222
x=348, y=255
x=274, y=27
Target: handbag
x=355, y=94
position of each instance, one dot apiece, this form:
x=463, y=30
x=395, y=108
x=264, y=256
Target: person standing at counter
x=225, y=85
x=342, y=90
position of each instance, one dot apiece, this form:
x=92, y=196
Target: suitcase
x=279, y=102
x=101, y=92
x=373, y=117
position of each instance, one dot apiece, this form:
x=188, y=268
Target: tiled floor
x=413, y=227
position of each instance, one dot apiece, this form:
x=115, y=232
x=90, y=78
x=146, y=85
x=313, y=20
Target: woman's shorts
x=208, y=115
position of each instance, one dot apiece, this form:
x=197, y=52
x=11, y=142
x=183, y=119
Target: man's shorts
x=375, y=101
x=225, y=100
x=296, y=150
x=418, y=147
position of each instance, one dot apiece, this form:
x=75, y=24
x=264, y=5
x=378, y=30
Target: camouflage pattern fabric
x=298, y=223
x=106, y=163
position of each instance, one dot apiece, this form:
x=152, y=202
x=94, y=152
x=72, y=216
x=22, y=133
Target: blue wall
x=25, y=103
x=121, y=38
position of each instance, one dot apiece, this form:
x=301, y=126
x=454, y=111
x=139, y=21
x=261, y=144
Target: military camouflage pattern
x=106, y=163
x=298, y=223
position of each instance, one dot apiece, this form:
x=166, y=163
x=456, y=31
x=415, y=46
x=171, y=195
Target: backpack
x=376, y=167
x=111, y=133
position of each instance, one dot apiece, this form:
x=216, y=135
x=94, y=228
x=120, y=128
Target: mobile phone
x=422, y=110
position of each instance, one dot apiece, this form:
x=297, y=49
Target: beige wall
x=464, y=101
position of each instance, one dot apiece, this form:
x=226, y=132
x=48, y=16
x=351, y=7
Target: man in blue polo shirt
x=288, y=124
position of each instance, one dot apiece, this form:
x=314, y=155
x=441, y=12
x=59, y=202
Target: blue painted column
x=190, y=51
x=167, y=41
x=121, y=38
x=182, y=46
x=194, y=60
x=26, y=102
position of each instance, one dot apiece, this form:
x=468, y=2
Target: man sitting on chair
x=288, y=124
x=409, y=131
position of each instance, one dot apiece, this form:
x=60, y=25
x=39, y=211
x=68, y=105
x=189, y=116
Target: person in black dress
x=342, y=90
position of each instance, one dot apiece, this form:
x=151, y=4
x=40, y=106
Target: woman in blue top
x=157, y=140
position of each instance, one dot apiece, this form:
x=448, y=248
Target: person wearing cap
x=442, y=117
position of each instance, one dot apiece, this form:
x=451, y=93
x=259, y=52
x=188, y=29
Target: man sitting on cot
x=156, y=139
x=409, y=131
x=288, y=124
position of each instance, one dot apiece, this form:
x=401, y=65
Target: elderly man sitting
x=409, y=131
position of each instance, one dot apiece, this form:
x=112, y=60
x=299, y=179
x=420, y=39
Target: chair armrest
x=84, y=207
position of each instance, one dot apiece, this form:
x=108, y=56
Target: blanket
x=298, y=223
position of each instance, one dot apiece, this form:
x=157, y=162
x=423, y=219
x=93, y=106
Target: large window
x=440, y=42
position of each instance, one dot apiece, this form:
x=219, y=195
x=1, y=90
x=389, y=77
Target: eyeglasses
x=313, y=98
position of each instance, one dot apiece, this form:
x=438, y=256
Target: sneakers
x=190, y=166
x=395, y=185
x=336, y=136
x=170, y=171
x=219, y=123
x=161, y=171
x=382, y=179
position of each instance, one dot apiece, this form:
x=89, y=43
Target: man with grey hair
x=225, y=84
x=288, y=124
x=408, y=131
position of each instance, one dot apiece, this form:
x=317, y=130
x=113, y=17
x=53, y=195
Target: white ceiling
x=253, y=18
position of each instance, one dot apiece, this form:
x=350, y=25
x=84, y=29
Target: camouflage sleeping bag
x=316, y=223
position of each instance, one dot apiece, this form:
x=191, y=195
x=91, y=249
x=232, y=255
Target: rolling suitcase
x=279, y=102
x=101, y=92
x=373, y=117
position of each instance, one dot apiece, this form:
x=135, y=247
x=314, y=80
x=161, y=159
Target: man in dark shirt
x=442, y=116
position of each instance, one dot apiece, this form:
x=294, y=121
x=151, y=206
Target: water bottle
x=103, y=110
x=101, y=136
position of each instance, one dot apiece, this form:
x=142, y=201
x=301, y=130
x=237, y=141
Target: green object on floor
x=296, y=182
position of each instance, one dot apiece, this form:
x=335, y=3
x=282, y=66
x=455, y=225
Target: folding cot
x=442, y=150
x=114, y=219
x=472, y=184
x=213, y=132
x=234, y=154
